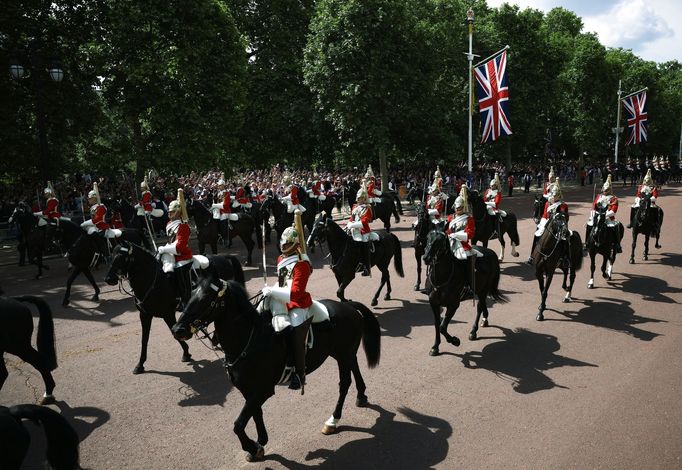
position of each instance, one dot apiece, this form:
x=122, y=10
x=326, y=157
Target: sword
x=265, y=266
x=149, y=229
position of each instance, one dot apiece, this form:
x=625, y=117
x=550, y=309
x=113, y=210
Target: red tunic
x=654, y=191
x=294, y=195
x=439, y=205
x=317, y=187
x=51, y=209
x=98, y=212
x=497, y=198
x=241, y=196
x=562, y=207
x=371, y=188
x=365, y=215
x=227, y=204
x=299, y=297
x=611, y=206
x=146, y=201
x=510, y=181
x=469, y=228
x=116, y=220
x=180, y=236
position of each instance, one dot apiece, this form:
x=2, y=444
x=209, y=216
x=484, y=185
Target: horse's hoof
x=472, y=336
x=540, y=317
x=65, y=303
x=657, y=245
x=328, y=430
x=187, y=357
x=609, y=277
x=139, y=369
x=95, y=298
x=515, y=255
x=361, y=402
x=48, y=400
x=632, y=261
x=258, y=456
x=645, y=258
x=567, y=300
x=374, y=303
x=416, y=287
x=590, y=286
x=484, y=322
x=604, y=275
x=387, y=297
x=454, y=340
x=434, y=352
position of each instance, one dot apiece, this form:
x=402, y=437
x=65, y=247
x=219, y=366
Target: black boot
x=182, y=277
x=632, y=217
x=297, y=342
x=366, y=259
x=499, y=227
x=616, y=242
x=588, y=231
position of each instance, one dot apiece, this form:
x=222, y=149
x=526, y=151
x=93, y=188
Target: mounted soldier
x=291, y=195
x=317, y=191
x=290, y=302
x=461, y=230
x=492, y=198
x=176, y=255
x=222, y=211
x=608, y=202
x=146, y=207
x=358, y=227
x=549, y=184
x=242, y=200
x=51, y=212
x=435, y=202
x=97, y=227
x=373, y=193
x=554, y=203
x=646, y=188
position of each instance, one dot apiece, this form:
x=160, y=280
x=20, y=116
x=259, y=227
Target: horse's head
x=201, y=309
x=478, y=209
x=320, y=230
x=437, y=246
x=559, y=225
x=423, y=223
x=126, y=257
x=538, y=207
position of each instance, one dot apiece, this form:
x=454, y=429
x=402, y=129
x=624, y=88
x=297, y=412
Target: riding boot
x=632, y=217
x=471, y=275
x=298, y=337
x=588, y=231
x=182, y=276
x=366, y=259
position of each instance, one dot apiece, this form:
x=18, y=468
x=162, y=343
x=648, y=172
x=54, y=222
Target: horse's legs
x=146, y=321
x=645, y=256
x=249, y=247
x=544, y=283
x=419, y=269
x=88, y=274
x=260, y=426
x=344, y=384
x=359, y=383
x=384, y=278
x=76, y=271
x=449, y=313
x=214, y=246
x=605, y=259
x=340, y=292
x=435, y=308
x=593, y=265
x=480, y=308
x=254, y=450
x=170, y=321
x=34, y=358
x=571, y=277
x=202, y=247
x=634, y=244
x=502, y=247
x=388, y=285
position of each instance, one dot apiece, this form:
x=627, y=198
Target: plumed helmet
x=49, y=189
x=369, y=174
x=144, y=185
x=495, y=182
x=551, y=173
x=286, y=179
x=648, y=180
x=221, y=182
x=556, y=190
x=435, y=187
x=362, y=193
x=174, y=205
x=437, y=174
x=462, y=200
x=92, y=194
x=606, y=189
x=290, y=235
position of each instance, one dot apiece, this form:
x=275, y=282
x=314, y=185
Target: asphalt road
x=597, y=385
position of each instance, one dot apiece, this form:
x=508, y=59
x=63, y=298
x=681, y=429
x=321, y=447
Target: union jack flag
x=635, y=107
x=492, y=90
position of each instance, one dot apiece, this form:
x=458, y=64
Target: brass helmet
x=606, y=189
x=49, y=189
x=362, y=193
x=648, y=180
x=462, y=200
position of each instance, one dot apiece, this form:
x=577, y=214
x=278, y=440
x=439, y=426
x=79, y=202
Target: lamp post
x=38, y=79
x=470, y=58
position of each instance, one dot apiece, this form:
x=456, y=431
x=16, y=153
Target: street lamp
x=54, y=70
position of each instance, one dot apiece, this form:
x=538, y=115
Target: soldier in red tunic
x=646, y=188
x=291, y=197
x=605, y=200
x=435, y=202
x=290, y=301
x=176, y=255
x=51, y=211
x=461, y=230
x=373, y=192
x=97, y=227
x=358, y=227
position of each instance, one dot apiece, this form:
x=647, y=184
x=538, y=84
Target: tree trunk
x=508, y=151
x=383, y=167
x=138, y=149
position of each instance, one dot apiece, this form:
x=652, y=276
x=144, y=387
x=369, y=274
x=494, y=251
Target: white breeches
x=42, y=221
x=364, y=237
x=112, y=233
x=375, y=200
x=89, y=227
x=291, y=207
x=609, y=222
x=636, y=204
x=459, y=251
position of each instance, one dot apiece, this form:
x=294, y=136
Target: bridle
x=442, y=251
x=558, y=236
x=124, y=277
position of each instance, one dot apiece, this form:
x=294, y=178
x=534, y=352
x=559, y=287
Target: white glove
x=461, y=236
x=283, y=294
x=610, y=213
x=266, y=291
x=217, y=205
x=490, y=203
x=352, y=225
x=377, y=192
x=653, y=199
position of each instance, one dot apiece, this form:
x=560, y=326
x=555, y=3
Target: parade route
x=596, y=385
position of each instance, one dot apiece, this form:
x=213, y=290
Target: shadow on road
x=84, y=419
x=521, y=357
x=397, y=322
x=521, y=270
x=650, y=288
x=614, y=314
x=420, y=443
x=206, y=385
x=671, y=259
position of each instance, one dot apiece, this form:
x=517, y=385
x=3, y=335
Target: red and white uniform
x=492, y=198
x=291, y=199
x=461, y=230
x=242, y=199
x=359, y=221
x=290, y=300
x=176, y=252
x=146, y=201
x=372, y=192
x=317, y=191
x=436, y=206
x=644, y=189
x=223, y=210
x=547, y=212
x=607, y=201
x=97, y=214
x=117, y=221
x=51, y=210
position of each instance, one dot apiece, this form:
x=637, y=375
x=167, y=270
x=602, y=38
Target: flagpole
x=470, y=57
x=618, y=129
x=491, y=56
x=634, y=93
x=679, y=152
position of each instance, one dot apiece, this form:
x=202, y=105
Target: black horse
x=422, y=227
x=154, y=292
x=558, y=247
x=34, y=239
x=448, y=279
x=15, y=439
x=208, y=229
x=603, y=240
x=255, y=357
x=82, y=254
x=15, y=338
x=284, y=218
x=389, y=206
x=487, y=226
x=347, y=254
x=538, y=207
x=647, y=221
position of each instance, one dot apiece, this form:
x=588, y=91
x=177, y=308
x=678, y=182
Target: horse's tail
x=238, y=271
x=62, y=440
x=576, y=254
x=371, y=334
x=397, y=255
x=513, y=229
x=45, y=340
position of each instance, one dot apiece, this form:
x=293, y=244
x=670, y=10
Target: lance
x=146, y=219
x=265, y=266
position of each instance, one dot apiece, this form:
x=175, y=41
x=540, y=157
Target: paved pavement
x=597, y=385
